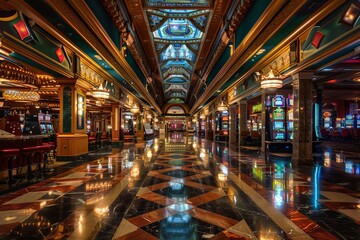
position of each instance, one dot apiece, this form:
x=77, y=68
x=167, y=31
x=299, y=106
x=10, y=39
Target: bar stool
x=29, y=154
x=45, y=150
x=11, y=154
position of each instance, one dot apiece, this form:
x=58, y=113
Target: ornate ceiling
x=176, y=39
x=177, y=35
x=176, y=51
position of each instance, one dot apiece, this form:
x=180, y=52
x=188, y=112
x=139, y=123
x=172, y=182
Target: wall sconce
x=270, y=81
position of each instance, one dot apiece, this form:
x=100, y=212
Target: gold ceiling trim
x=10, y=72
x=10, y=18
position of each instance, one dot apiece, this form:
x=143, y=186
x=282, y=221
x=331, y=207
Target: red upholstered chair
x=11, y=154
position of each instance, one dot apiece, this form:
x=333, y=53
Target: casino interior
x=179, y=119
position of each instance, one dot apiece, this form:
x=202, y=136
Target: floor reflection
x=181, y=187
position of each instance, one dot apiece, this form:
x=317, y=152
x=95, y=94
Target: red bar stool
x=45, y=150
x=11, y=154
x=29, y=154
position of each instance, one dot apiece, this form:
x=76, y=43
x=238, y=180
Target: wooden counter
x=8, y=141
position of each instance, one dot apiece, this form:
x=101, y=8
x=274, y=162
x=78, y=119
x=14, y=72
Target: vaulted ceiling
x=177, y=40
x=177, y=51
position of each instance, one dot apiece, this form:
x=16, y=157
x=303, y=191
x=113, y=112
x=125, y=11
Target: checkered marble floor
x=178, y=188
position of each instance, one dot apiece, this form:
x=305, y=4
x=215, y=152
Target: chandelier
x=270, y=81
x=100, y=93
x=21, y=96
x=135, y=109
x=222, y=107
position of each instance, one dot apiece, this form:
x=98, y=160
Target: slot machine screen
x=279, y=136
x=50, y=128
x=278, y=125
x=290, y=126
x=41, y=117
x=43, y=128
x=279, y=114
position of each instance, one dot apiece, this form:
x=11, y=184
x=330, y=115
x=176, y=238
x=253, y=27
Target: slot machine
x=42, y=122
x=32, y=125
x=278, y=119
x=49, y=125
x=13, y=125
x=349, y=121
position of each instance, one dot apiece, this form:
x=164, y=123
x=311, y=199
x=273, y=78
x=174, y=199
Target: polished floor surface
x=181, y=187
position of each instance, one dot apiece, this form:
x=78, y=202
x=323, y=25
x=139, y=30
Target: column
x=72, y=140
x=263, y=122
x=232, y=124
x=243, y=118
x=139, y=127
x=303, y=96
x=116, y=131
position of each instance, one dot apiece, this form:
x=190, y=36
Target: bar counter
x=9, y=141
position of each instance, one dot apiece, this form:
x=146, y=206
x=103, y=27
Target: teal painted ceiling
x=177, y=34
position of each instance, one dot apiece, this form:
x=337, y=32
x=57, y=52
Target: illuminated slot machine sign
x=349, y=121
x=42, y=122
x=358, y=121
x=278, y=118
x=225, y=122
x=49, y=125
x=327, y=119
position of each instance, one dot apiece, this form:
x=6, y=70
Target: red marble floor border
x=157, y=198
x=212, y=218
x=203, y=198
x=139, y=234
x=152, y=216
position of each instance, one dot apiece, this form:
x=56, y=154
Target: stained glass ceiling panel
x=175, y=100
x=176, y=71
x=177, y=3
x=175, y=80
x=177, y=63
x=177, y=29
x=177, y=51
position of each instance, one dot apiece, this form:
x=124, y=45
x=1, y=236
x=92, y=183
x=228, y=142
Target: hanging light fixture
x=270, y=81
x=135, y=108
x=222, y=107
x=21, y=96
x=100, y=93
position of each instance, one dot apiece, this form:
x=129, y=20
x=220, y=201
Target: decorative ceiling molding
x=106, y=48
x=313, y=19
x=260, y=33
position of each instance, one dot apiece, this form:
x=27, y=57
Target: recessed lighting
x=98, y=57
